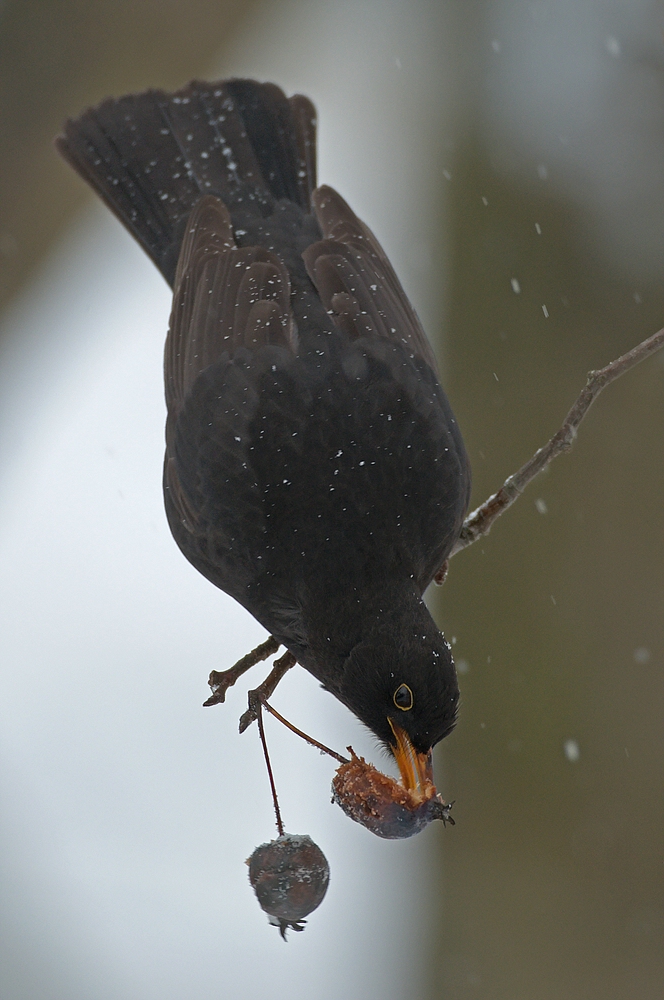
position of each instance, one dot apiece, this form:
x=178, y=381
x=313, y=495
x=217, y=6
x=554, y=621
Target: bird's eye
x=403, y=698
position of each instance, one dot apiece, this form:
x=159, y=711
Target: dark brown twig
x=479, y=522
x=277, y=811
x=298, y=732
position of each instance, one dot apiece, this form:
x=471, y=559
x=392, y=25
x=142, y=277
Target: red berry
x=382, y=804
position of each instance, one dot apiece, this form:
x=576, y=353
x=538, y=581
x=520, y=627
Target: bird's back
x=309, y=443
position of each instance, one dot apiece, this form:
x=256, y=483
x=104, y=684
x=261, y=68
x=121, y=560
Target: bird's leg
x=265, y=690
x=221, y=680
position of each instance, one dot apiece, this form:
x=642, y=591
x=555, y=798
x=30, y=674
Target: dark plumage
x=314, y=470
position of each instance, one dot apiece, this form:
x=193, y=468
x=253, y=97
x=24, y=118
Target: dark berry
x=289, y=876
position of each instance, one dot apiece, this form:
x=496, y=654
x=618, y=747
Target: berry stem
x=298, y=732
x=277, y=811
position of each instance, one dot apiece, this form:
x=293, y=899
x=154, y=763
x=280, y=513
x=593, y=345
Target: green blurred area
x=552, y=882
x=56, y=58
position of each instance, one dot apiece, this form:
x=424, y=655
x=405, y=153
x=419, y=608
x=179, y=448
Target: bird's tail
x=152, y=156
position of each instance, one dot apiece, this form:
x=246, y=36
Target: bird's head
x=405, y=690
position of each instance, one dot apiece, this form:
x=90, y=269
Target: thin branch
x=298, y=732
x=480, y=521
x=273, y=787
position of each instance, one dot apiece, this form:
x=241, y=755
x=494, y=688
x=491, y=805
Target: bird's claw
x=255, y=702
x=220, y=681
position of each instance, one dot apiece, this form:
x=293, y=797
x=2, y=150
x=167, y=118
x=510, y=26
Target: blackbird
x=314, y=470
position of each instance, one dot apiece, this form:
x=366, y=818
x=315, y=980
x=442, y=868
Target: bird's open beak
x=416, y=769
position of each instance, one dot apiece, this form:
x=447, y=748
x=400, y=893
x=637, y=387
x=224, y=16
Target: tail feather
x=152, y=156
x=271, y=128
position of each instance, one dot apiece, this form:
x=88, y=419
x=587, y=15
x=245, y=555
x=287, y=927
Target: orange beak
x=416, y=769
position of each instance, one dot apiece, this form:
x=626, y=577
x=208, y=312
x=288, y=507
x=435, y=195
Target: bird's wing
x=225, y=297
x=356, y=281
x=358, y=286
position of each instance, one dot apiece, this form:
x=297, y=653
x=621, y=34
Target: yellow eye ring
x=403, y=698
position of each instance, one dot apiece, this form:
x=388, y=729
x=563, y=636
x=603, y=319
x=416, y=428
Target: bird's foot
x=266, y=689
x=441, y=575
x=221, y=680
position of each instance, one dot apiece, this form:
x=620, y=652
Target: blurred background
x=509, y=156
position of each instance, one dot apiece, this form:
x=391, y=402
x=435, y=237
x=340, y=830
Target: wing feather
x=356, y=281
x=225, y=297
